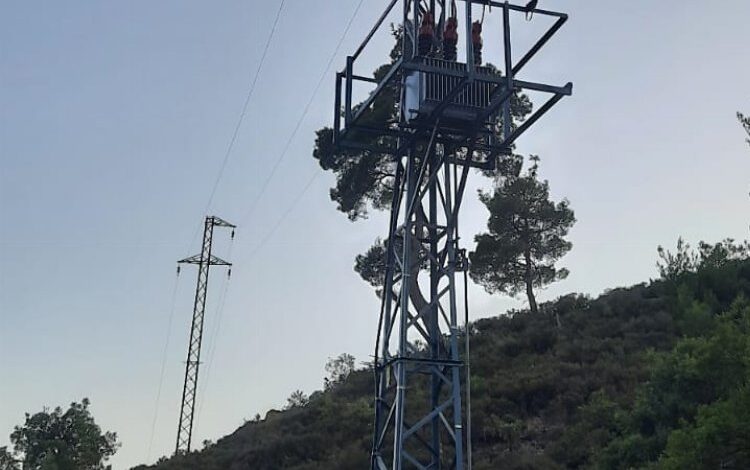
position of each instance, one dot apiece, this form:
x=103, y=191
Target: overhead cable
x=301, y=119
x=241, y=118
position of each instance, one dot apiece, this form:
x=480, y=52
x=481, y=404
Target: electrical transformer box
x=424, y=91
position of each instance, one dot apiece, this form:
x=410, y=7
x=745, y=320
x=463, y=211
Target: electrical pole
x=204, y=261
x=452, y=117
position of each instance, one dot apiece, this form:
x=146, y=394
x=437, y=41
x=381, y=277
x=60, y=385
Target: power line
x=301, y=119
x=241, y=118
x=163, y=365
x=286, y=213
x=212, y=342
x=244, y=106
x=268, y=179
x=213, y=338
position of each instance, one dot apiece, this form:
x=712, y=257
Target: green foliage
x=672, y=265
x=597, y=384
x=338, y=369
x=526, y=237
x=708, y=256
x=57, y=440
x=719, y=437
x=297, y=399
x=363, y=178
x=685, y=401
x=371, y=266
x=7, y=461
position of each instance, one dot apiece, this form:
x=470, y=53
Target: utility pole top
x=212, y=260
x=219, y=222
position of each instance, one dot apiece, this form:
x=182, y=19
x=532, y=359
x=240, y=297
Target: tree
x=371, y=266
x=709, y=255
x=69, y=440
x=672, y=265
x=718, y=254
x=745, y=121
x=526, y=237
x=297, y=399
x=693, y=412
x=719, y=438
x=7, y=461
x=338, y=369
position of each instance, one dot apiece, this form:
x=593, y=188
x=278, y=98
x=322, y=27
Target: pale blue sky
x=114, y=119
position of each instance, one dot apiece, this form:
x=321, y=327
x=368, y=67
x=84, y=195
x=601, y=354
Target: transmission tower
x=454, y=116
x=189, y=390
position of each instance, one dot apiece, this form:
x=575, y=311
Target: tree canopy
x=297, y=399
x=7, y=461
x=338, y=369
x=63, y=440
x=525, y=239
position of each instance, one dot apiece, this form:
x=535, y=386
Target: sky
x=115, y=118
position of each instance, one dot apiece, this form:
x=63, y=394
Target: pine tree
x=526, y=237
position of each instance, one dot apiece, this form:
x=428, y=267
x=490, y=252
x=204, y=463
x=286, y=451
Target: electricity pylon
x=452, y=117
x=189, y=390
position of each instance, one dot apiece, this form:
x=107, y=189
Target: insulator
x=530, y=7
x=232, y=236
x=229, y=273
x=450, y=40
x=476, y=39
x=426, y=35
x=178, y=269
x=425, y=45
x=478, y=54
x=462, y=261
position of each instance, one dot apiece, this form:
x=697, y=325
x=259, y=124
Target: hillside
x=631, y=379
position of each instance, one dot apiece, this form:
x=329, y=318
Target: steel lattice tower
x=453, y=117
x=204, y=261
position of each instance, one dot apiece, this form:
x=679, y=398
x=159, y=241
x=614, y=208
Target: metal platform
x=469, y=99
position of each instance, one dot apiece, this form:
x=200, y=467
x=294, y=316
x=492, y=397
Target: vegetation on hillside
x=653, y=376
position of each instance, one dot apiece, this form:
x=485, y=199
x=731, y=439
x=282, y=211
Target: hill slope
x=622, y=381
